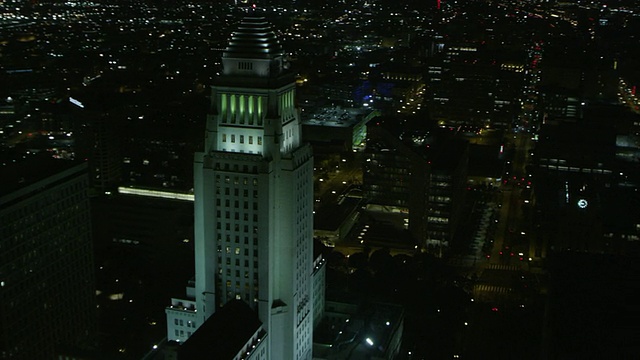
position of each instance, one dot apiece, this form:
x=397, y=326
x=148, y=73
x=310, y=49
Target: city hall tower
x=253, y=187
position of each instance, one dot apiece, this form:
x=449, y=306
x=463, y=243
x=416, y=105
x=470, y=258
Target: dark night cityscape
x=311, y=179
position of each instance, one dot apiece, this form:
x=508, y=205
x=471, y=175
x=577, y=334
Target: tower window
x=244, y=65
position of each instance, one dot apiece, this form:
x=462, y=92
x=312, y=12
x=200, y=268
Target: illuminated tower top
x=253, y=101
x=253, y=50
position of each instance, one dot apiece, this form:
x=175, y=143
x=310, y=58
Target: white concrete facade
x=181, y=320
x=253, y=187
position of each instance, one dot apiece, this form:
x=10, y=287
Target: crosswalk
x=503, y=267
x=491, y=288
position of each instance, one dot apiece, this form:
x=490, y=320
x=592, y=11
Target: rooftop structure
x=344, y=127
x=233, y=332
x=359, y=331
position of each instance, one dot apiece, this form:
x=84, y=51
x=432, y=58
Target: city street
x=334, y=180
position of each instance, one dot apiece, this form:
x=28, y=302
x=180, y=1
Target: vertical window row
x=241, y=109
x=236, y=218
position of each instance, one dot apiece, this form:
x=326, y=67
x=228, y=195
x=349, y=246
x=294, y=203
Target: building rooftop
x=331, y=216
x=577, y=142
x=438, y=147
x=449, y=153
x=485, y=161
x=357, y=331
x=25, y=172
x=334, y=116
x=224, y=334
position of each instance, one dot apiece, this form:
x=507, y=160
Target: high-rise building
x=253, y=188
x=47, y=290
x=422, y=176
x=98, y=140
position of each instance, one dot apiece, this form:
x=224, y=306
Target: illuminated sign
x=582, y=203
x=76, y=102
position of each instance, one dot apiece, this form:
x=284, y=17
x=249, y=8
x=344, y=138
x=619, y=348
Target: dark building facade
x=580, y=179
x=47, y=296
x=423, y=177
x=471, y=85
x=99, y=141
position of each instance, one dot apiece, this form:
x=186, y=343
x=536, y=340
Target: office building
x=47, y=286
x=421, y=177
x=254, y=199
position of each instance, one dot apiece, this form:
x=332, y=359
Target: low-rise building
x=359, y=331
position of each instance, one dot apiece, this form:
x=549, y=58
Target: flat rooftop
x=223, y=334
x=363, y=334
x=331, y=216
x=27, y=171
x=334, y=116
